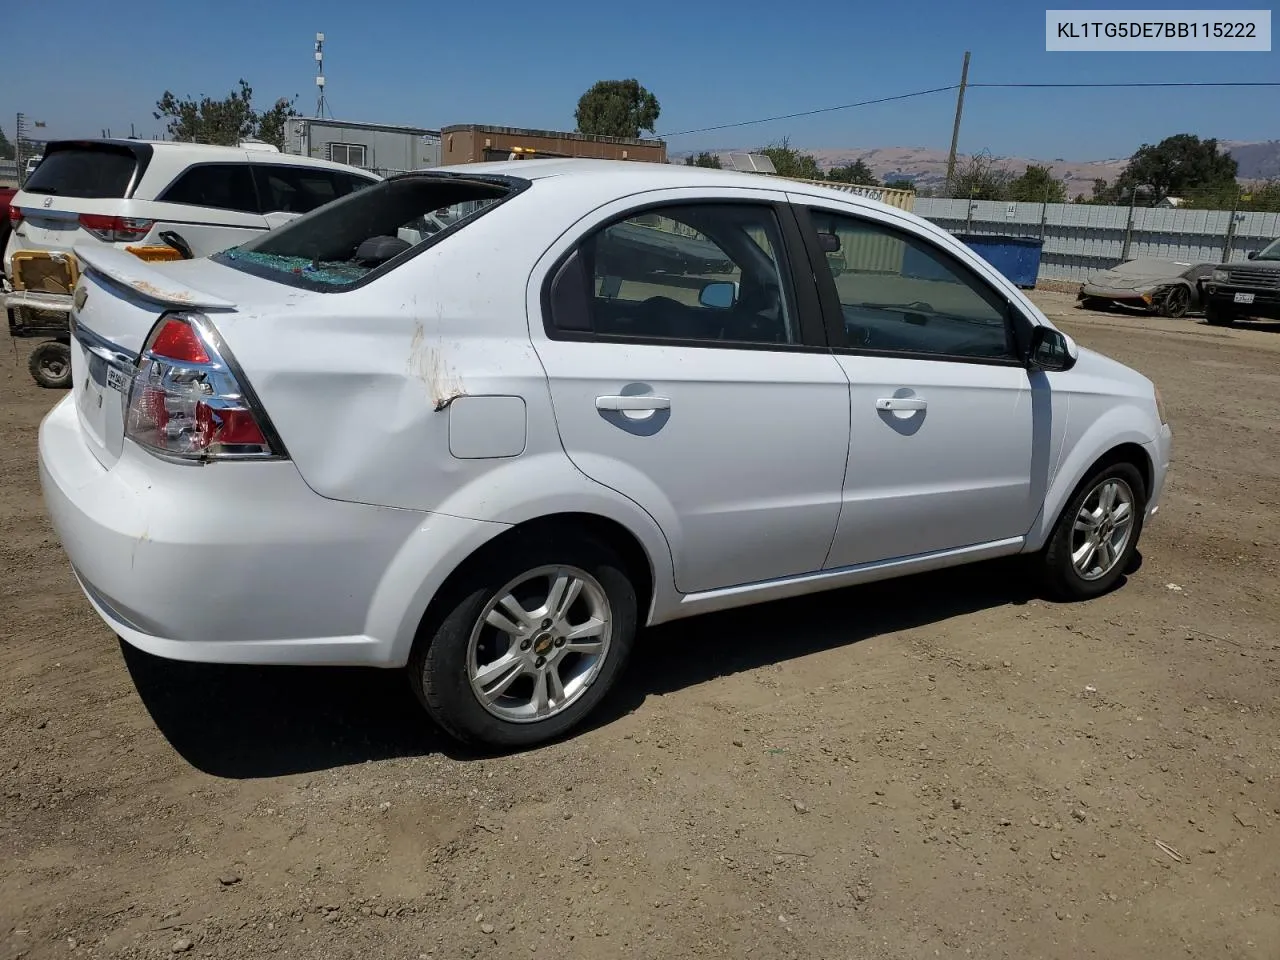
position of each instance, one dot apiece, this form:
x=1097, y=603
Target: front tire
x=1176, y=303
x=528, y=643
x=1096, y=535
x=50, y=365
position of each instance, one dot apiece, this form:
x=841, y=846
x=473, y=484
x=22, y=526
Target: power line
x=810, y=113
x=1171, y=83
x=953, y=86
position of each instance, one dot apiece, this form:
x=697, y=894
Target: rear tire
x=457, y=667
x=50, y=365
x=1097, y=533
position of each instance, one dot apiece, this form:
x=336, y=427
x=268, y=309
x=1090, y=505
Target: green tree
x=225, y=122
x=790, y=162
x=980, y=179
x=703, y=159
x=857, y=172
x=1265, y=197
x=900, y=185
x=1037, y=184
x=1103, y=192
x=617, y=108
x=1176, y=166
x=6, y=148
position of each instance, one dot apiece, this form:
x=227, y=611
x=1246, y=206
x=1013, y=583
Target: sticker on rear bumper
x=117, y=381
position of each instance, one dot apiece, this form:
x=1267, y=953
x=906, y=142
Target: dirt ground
x=946, y=766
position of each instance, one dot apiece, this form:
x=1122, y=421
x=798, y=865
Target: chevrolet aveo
x=485, y=423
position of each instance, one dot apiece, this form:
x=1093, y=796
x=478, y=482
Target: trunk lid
x=118, y=301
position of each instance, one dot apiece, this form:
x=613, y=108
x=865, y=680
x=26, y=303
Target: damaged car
x=607, y=395
x=1168, y=288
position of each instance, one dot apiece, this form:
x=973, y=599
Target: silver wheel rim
x=539, y=644
x=55, y=367
x=1102, y=529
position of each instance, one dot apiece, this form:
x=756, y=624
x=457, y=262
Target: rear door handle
x=901, y=403
x=633, y=403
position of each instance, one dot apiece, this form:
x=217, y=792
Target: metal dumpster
x=1018, y=258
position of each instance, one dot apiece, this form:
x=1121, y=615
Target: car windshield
x=339, y=244
x=1270, y=252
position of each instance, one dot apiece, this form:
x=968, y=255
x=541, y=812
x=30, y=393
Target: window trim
x=364, y=152
x=802, y=296
x=257, y=194
x=1017, y=326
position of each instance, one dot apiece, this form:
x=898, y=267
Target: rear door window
x=223, y=186
x=295, y=189
x=91, y=172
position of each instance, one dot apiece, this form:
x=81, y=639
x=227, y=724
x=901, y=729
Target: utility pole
x=955, y=130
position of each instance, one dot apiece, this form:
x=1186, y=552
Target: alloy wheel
x=539, y=643
x=1102, y=529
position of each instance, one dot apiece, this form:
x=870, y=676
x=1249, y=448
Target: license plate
x=117, y=381
x=1244, y=298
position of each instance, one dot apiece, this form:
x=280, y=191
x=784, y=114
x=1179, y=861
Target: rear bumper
x=230, y=563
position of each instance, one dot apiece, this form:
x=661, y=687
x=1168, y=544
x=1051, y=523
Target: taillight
x=187, y=402
x=15, y=215
x=115, y=229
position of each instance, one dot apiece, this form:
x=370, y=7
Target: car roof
x=179, y=151
x=646, y=175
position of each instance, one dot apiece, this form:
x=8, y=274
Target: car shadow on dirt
x=244, y=722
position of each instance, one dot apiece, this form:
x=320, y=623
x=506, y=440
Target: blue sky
x=523, y=64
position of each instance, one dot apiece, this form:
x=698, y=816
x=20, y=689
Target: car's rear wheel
x=50, y=365
x=1097, y=534
x=1217, y=316
x=528, y=644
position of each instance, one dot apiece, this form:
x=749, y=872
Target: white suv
x=156, y=200
x=603, y=395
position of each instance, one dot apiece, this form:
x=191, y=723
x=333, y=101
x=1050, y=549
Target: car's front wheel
x=1097, y=534
x=528, y=644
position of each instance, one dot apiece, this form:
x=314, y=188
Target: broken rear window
x=340, y=244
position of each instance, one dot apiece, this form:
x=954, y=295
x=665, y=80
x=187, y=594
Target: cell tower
x=321, y=103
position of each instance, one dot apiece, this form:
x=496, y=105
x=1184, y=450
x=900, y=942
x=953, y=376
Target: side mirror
x=829, y=242
x=1052, y=350
x=720, y=295
x=1253, y=254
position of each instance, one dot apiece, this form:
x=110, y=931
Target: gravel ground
x=943, y=766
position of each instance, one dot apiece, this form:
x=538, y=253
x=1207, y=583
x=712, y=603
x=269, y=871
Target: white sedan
x=604, y=395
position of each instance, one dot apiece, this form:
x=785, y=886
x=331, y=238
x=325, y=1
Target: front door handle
x=633, y=403
x=901, y=403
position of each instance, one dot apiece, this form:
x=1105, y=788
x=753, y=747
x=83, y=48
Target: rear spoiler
x=144, y=279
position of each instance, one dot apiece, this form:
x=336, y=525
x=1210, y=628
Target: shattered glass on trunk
x=336, y=273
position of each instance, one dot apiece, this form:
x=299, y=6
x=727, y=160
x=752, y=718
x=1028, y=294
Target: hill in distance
x=926, y=168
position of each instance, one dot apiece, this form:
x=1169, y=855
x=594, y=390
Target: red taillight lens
x=186, y=402
x=115, y=229
x=15, y=215
x=176, y=340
